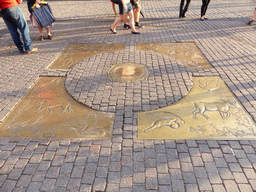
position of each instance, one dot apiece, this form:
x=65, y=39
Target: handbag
x=43, y=15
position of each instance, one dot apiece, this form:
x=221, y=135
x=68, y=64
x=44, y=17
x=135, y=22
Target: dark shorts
x=135, y=4
x=121, y=8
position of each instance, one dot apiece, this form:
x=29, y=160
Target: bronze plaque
x=186, y=53
x=48, y=111
x=209, y=111
x=128, y=72
x=76, y=52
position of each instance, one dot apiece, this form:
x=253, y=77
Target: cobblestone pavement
x=126, y=163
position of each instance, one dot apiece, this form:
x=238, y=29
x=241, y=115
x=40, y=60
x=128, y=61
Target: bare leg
x=125, y=19
x=120, y=18
x=131, y=21
x=254, y=15
x=48, y=30
x=137, y=14
x=40, y=29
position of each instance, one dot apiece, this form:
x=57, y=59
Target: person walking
x=204, y=9
x=125, y=9
x=183, y=9
x=14, y=20
x=35, y=23
x=136, y=11
x=253, y=17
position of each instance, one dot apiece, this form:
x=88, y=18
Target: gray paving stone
x=88, y=178
x=8, y=185
x=112, y=187
x=239, y=153
x=248, y=149
x=218, y=188
x=217, y=152
x=39, y=176
x=126, y=182
x=194, y=152
x=214, y=178
x=74, y=184
x=172, y=154
x=192, y=188
x=24, y=181
x=58, y=160
x=230, y=186
x=220, y=162
x=184, y=157
x=138, y=177
x=62, y=180
x=164, y=179
x=189, y=178
x=245, y=163
x=34, y=187
x=178, y=185
x=85, y=188
x=53, y=172
x=2, y=179
x=48, y=185
x=151, y=183
x=250, y=173
x=191, y=143
x=200, y=172
x=204, y=185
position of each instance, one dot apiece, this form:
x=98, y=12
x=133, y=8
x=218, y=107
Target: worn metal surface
x=76, y=52
x=186, y=53
x=128, y=72
x=209, y=111
x=47, y=111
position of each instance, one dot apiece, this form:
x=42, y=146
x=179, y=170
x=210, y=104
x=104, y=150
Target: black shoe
x=41, y=38
x=138, y=25
x=49, y=37
x=135, y=32
x=114, y=32
x=126, y=26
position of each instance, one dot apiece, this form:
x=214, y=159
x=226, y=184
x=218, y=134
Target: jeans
x=15, y=19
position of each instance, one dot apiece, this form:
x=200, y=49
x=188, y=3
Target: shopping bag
x=43, y=15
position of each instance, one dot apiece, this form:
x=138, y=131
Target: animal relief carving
x=222, y=107
x=171, y=120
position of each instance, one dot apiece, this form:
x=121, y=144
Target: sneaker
x=33, y=51
x=126, y=26
x=41, y=38
x=137, y=25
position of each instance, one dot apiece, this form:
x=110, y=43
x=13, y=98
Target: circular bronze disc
x=128, y=72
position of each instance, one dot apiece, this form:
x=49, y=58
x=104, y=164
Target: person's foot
x=181, y=14
x=138, y=25
x=205, y=18
x=114, y=32
x=135, y=32
x=32, y=51
x=250, y=22
x=126, y=26
x=49, y=37
x=202, y=19
x=41, y=38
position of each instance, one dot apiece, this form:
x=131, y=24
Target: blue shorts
x=121, y=8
